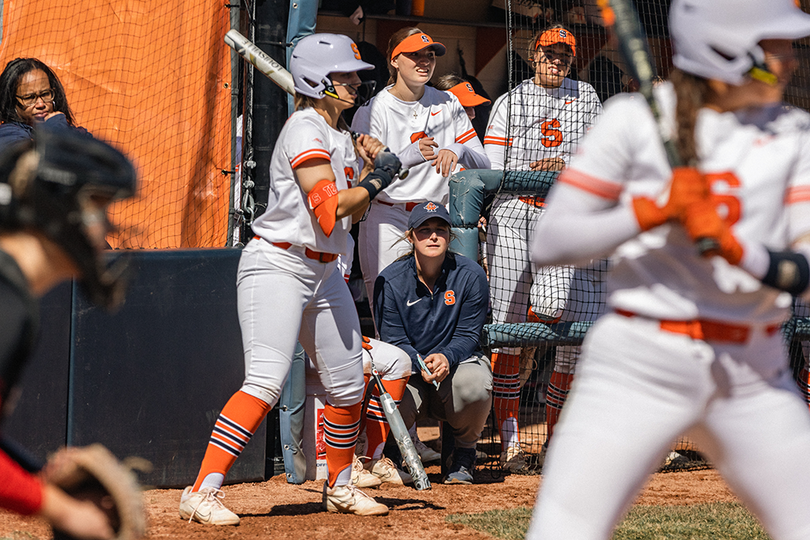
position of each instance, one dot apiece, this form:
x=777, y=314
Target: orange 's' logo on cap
x=430, y=207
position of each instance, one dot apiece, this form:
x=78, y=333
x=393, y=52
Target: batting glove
x=687, y=187
x=702, y=221
x=387, y=165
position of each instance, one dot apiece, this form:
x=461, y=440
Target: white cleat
x=205, y=506
x=386, y=471
x=350, y=500
x=426, y=453
x=361, y=477
x=513, y=459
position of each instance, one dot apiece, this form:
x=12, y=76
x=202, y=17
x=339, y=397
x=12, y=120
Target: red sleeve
x=19, y=490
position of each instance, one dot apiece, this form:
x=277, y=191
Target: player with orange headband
x=428, y=130
x=539, y=132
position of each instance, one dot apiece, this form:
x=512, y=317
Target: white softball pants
x=284, y=297
x=637, y=389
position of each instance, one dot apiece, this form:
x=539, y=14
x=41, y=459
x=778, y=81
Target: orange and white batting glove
x=702, y=221
x=687, y=186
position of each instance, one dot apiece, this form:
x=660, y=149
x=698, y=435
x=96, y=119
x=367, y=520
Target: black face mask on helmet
x=48, y=185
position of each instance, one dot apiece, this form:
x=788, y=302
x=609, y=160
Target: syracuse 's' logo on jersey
x=449, y=298
x=430, y=207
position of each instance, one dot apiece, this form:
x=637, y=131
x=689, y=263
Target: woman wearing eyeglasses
x=30, y=94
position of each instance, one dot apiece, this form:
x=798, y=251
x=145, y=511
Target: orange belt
x=314, y=255
x=408, y=206
x=708, y=330
x=539, y=202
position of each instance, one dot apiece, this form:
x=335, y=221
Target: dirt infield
x=275, y=509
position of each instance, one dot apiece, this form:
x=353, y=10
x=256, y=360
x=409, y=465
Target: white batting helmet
x=318, y=55
x=718, y=39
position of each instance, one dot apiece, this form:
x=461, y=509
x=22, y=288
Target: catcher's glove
x=92, y=473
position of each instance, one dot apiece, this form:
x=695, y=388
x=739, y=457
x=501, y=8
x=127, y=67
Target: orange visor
x=417, y=42
x=557, y=35
x=467, y=96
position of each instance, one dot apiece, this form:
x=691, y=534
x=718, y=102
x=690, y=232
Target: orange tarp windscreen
x=152, y=78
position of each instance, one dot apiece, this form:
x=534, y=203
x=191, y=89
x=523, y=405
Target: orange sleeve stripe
x=498, y=141
x=310, y=154
x=797, y=195
x=464, y=137
x=591, y=184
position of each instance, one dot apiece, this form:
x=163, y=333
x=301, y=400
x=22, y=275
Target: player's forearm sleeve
x=578, y=227
x=469, y=157
x=19, y=491
x=787, y=271
x=411, y=156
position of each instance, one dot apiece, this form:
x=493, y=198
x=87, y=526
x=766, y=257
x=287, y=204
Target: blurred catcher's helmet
x=719, y=39
x=55, y=185
x=318, y=55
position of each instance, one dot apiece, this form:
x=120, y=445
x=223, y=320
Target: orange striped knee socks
x=340, y=428
x=235, y=426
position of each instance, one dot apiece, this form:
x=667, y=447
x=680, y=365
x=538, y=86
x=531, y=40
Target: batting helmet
x=49, y=185
x=719, y=39
x=318, y=55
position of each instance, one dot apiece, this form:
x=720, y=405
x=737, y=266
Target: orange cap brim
x=467, y=96
x=557, y=35
x=417, y=42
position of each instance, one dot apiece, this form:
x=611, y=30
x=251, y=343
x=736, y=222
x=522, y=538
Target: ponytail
x=690, y=92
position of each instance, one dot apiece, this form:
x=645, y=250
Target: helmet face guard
x=61, y=184
x=318, y=55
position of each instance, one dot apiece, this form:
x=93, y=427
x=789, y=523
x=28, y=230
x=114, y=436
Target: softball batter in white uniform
x=288, y=285
x=692, y=344
x=428, y=130
x=548, y=116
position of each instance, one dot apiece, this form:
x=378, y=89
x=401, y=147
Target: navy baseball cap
x=425, y=211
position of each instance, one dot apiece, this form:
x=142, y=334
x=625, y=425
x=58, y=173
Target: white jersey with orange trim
x=758, y=163
x=305, y=136
x=545, y=123
x=400, y=124
x=693, y=345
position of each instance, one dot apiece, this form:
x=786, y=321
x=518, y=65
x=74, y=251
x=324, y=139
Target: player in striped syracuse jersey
x=429, y=131
x=289, y=287
x=549, y=115
x=691, y=344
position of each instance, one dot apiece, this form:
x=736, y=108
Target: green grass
x=716, y=521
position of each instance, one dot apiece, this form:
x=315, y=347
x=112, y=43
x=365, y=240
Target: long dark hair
x=10, y=79
x=691, y=92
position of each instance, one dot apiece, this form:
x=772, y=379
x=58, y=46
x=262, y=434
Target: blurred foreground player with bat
x=54, y=193
x=289, y=287
x=691, y=343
